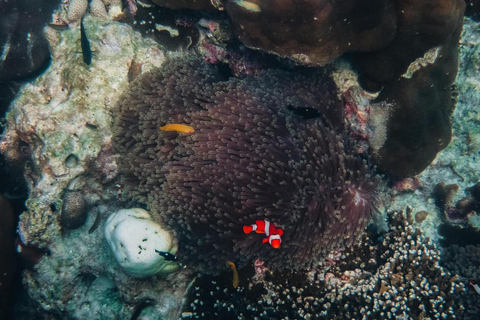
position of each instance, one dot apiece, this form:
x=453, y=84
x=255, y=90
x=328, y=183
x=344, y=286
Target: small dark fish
x=86, y=51
x=167, y=255
x=96, y=223
x=61, y=25
x=134, y=70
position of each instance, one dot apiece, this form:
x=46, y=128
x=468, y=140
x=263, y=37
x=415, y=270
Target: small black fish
x=86, y=51
x=167, y=255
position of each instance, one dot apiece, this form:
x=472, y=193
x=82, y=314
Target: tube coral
x=267, y=147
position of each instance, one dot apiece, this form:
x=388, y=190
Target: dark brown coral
x=271, y=147
x=416, y=72
x=313, y=31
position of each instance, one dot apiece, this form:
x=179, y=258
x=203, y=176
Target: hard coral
x=314, y=31
x=416, y=71
x=396, y=278
x=266, y=147
x=74, y=210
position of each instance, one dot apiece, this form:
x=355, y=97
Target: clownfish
x=273, y=233
x=181, y=128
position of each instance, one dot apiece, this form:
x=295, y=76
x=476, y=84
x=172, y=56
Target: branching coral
x=398, y=277
x=271, y=147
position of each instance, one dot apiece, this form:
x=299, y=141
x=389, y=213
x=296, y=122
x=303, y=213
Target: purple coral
x=266, y=147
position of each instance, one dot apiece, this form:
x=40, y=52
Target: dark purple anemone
x=268, y=147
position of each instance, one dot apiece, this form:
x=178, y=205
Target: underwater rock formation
x=314, y=32
x=58, y=133
x=406, y=49
x=267, y=147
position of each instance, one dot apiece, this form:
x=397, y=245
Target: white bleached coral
x=134, y=237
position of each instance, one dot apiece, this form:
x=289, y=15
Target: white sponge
x=133, y=237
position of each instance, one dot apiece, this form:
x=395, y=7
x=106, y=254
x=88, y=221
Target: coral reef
x=173, y=30
x=416, y=71
x=456, y=210
x=74, y=274
x=315, y=32
x=76, y=9
x=464, y=261
x=457, y=164
x=266, y=147
x=396, y=276
x=74, y=210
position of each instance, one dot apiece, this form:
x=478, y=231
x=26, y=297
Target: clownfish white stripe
x=274, y=237
x=267, y=228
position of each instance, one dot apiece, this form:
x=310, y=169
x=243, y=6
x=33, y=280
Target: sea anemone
x=270, y=147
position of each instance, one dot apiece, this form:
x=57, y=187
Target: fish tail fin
x=247, y=229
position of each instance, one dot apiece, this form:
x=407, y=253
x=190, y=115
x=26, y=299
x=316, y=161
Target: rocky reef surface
x=59, y=130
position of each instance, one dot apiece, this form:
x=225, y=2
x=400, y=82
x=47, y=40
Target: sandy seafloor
x=67, y=111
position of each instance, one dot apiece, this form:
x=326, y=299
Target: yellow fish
x=235, y=274
x=181, y=128
x=247, y=5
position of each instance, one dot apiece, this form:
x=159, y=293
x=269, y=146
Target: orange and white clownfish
x=274, y=234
